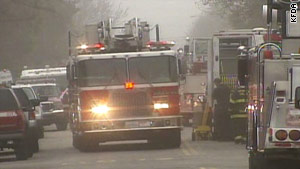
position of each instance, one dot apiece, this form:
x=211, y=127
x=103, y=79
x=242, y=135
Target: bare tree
x=239, y=13
x=33, y=32
x=95, y=11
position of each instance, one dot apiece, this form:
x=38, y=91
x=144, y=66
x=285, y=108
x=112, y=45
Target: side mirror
x=297, y=98
x=179, y=66
x=74, y=72
x=35, y=102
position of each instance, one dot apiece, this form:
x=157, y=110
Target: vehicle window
x=29, y=93
x=153, y=69
x=7, y=101
x=102, y=72
x=22, y=97
x=47, y=91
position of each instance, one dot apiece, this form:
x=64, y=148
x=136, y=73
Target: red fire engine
x=122, y=90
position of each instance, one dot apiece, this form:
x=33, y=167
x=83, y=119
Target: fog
x=35, y=32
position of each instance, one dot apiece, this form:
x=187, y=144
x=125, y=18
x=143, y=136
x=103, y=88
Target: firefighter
x=238, y=102
x=221, y=94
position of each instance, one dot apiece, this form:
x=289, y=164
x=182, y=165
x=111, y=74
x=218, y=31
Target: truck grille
x=130, y=104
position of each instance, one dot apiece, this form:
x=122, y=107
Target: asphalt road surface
x=56, y=152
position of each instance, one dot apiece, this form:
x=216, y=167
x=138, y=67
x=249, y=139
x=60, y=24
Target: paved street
x=57, y=153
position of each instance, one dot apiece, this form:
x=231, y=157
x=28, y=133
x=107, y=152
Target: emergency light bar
x=96, y=48
x=160, y=44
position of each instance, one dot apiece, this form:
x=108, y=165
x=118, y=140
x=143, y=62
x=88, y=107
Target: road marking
x=164, y=159
x=190, y=149
x=202, y=168
x=106, y=161
x=142, y=159
x=64, y=164
x=185, y=151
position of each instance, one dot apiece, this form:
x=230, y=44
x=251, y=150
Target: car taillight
x=281, y=135
x=20, y=120
x=294, y=135
x=31, y=116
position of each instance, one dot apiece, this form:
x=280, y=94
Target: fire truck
x=193, y=90
x=124, y=87
x=274, y=90
x=223, y=62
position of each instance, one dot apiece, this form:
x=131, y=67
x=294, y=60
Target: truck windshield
x=158, y=69
x=46, y=91
x=102, y=72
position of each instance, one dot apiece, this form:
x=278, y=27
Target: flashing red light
x=98, y=45
x=268, y=54
x=129, y=85
x=161, y=43
x=273, y=37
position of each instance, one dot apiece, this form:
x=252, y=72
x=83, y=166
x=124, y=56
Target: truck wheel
x=174, y=139
x=61, y=126
x=75, y=141
x=84, y=145
x=41, y=132
x=193, y=136
x=35, y=145
x=257, y=161
x=23, y=151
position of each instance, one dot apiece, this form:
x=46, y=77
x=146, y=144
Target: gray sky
x=175, y=17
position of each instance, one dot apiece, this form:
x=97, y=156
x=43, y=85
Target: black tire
x=175, y=139
x=22, y=150
x=35, y=146
x=61, y=126
x=193, y=136
x=75, y=141
x=41, y=132
x=257, y=161
x=85, y=145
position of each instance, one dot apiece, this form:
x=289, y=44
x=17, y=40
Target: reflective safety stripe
x=229, y=80
x=238, y=101
x=236, y=116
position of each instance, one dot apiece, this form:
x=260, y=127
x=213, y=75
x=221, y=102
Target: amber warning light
x=129, y=85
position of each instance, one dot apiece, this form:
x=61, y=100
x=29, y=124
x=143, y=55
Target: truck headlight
x=161, y=106
x=101, y=110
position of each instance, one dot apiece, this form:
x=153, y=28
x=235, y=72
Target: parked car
x=30, y=117
x=51, y=106
x=35, y=100
x=14, y=131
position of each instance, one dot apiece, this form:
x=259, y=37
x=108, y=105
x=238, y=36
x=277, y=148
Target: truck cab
x=126, y=96
x=121, y=90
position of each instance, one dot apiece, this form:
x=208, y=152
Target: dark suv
x=14, y=132
x=28, y=107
